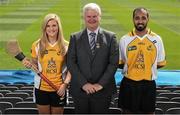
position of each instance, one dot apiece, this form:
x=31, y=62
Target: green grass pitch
x=21, y=19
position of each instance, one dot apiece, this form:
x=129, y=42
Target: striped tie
x=92, y=41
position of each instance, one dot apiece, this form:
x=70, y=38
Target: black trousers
x=92, y=105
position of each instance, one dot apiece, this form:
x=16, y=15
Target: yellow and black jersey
x=50, y=65
x=141, y=55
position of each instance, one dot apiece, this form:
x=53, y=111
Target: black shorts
x=49, y=98
x=137, y=96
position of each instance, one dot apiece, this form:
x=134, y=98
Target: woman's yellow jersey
x=50, y=65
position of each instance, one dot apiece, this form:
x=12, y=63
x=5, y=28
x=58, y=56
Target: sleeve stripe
x=162, y=63
x=121, y=62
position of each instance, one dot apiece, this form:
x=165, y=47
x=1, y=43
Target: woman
x=48, y=54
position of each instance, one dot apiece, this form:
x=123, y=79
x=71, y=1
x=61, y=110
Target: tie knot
x=92, y=34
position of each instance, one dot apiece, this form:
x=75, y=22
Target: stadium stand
x=17, y=94
x=12, y=100
x=29, y=99
x=68, y=110
x=4, y=92
x=10, y=88
x=175, y=99
x=169, y=95
x=27, y=104
x=30, y=92
x=171, y=88
x=114, y=102
x=165, y=105
x=162, y=99
x=176, y=91
x=21, y=111
x=15, y=85
x=1, y=95
x=115, y=110
x=158, y=111
x=158, y=87
x=20, y=96
x=5, y=105
x=2, y=85
x=70, y=104
x=27, y=88
x=162, y=91
x=175, y=110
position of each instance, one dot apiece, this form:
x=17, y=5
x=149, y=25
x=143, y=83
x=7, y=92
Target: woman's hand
x=27, y=63
x=62, y=90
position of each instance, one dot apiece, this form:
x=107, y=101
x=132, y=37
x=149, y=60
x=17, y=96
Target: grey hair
x=92, y=6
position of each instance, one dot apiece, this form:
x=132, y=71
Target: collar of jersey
x=141, y=38
x=52, y=45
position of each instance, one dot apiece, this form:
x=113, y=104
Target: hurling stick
x=13, y=48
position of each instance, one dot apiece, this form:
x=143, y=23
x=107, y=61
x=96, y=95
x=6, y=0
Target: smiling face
x=92, y=19
x=140, y=19
x=52, y=29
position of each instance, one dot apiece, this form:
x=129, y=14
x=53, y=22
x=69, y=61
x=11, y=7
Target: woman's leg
x=43, y=109
x=57, y=110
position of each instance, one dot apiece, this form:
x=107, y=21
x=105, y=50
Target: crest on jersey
x=130, y=48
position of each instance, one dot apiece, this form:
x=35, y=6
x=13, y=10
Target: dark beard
x=140, y=28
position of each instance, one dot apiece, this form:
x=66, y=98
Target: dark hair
x=139, y=9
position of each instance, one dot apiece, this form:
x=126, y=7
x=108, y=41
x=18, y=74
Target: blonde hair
x=44, y=38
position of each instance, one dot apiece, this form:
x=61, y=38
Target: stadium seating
x=162, y=99
x=1, y=95
x=21, y=111
x=166, y=105
x=10, y=88
x=27, y=88
x=169, y=95
x=158, y=87
x=15, y=85
x=4, y=92
x=29, y=99
x=171, y=88
x=30, y=92
x=175, y=110
x=114, y=102
x=25, y=105
x=4, y=105
x=69, y=110
x=2, y=85
x=175, y=99
x=176, y=91
x=12, y=100
x=158, y=111
x=165, y=100
x=17, y=94
x=115, y=110
x=162, y=91
x=70, y=104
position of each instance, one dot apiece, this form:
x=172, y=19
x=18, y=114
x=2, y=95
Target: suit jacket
x=98, y=68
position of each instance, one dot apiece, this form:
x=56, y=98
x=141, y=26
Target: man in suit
x=92, y=60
